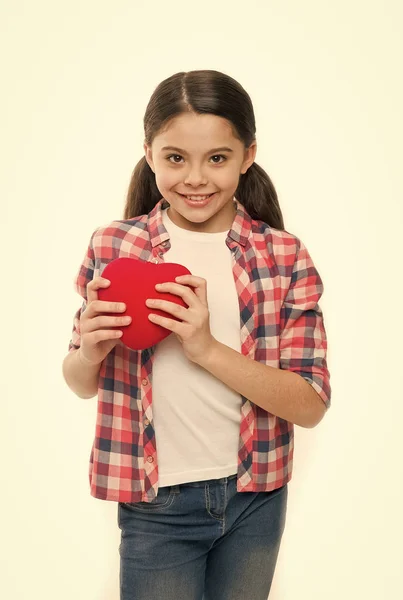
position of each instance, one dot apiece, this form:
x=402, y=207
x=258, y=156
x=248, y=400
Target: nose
x=195, y=178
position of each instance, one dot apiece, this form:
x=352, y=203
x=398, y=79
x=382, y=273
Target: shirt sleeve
x=84, y=276
x=303, y=342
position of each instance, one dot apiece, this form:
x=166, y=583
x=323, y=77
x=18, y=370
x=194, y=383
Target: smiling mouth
x=202, y=195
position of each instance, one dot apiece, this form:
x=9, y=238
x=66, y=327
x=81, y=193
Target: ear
x=250, y=154
x=148, y=156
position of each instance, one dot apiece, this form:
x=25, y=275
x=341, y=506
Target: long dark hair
x=204, y=92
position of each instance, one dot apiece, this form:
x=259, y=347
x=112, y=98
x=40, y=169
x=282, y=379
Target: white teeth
x=198, y=197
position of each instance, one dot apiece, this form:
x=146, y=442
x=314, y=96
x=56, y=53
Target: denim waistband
x=204, y=481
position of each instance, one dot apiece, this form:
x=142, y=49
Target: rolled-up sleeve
x=84, y=276
x=303, y=342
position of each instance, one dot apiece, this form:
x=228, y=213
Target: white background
x=325, y=80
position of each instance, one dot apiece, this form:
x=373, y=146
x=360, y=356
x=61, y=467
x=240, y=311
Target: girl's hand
x=194, y=331
x=97, y=337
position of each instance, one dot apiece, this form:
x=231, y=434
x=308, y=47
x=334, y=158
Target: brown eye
x=220, y=156
x=214, y=156
x=170, y=156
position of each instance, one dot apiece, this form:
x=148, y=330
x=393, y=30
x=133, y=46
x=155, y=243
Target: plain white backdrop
x=325, y=80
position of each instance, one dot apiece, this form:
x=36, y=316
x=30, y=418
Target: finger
x=199, y=283
x=189, y=279
x=105, y=306
x=179, y=290
x=164, y=322
x=170, y=307
x=94, y=305
x=109, y=322
x=93, y=286
x=100, y=335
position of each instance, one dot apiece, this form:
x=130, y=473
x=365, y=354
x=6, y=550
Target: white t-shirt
x=196, y=416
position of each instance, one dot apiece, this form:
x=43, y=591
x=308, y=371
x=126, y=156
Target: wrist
x=210, y=355
x=85, y=360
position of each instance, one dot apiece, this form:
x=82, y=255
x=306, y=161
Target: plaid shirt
x=281, y=325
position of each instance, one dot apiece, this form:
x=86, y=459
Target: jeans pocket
x=164, y=498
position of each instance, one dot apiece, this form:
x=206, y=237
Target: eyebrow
x=223, y=148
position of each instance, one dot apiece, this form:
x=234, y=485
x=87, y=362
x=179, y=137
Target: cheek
x=227, y=178
x=166, y=180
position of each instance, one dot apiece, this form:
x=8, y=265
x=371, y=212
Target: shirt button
x=146, y=422
x=155, y=260
x=144, y=381
x=150, y=459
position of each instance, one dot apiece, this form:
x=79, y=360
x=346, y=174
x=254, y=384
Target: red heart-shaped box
x=132, y=282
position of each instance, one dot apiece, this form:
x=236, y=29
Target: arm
x=282, y=393
x=299, y=391
x=80, y=376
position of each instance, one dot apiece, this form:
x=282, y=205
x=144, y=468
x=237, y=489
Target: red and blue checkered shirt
x=281, y=325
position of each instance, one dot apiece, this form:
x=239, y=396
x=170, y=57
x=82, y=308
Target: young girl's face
x=194, y=166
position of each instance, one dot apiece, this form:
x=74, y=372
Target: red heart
x=132, y=282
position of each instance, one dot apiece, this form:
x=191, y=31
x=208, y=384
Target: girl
x=194, y=436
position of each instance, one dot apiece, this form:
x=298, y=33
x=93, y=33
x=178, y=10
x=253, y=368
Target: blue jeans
x=198, y=538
